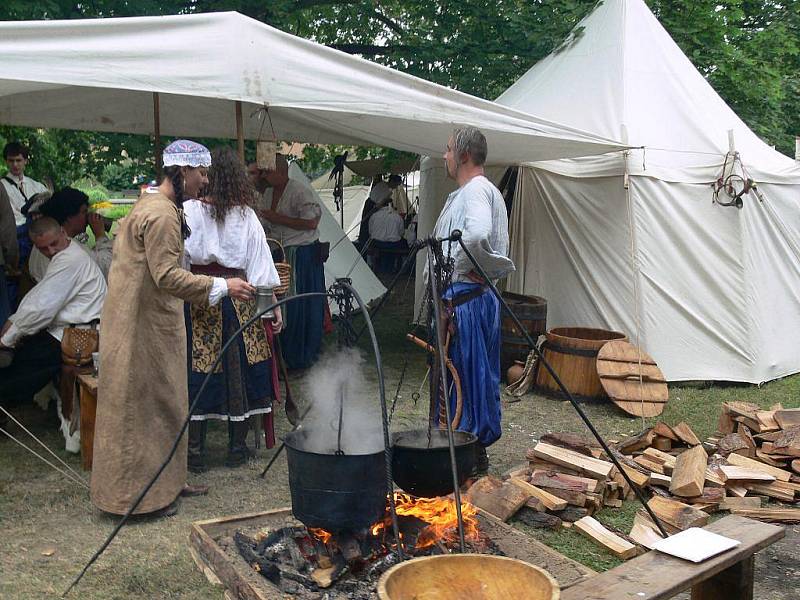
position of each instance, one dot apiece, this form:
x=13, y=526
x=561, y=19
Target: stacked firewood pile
x=754, y=459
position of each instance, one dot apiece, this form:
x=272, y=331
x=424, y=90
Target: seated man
x=386, y=229
x=69, y=207
x=71, y=292
x=378, y=195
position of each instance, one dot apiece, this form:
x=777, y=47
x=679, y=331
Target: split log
x=594, y=530
x=668, y=460
x=796, y=466
x=572, y=513
x=662, y=443
x=550, y=501
x=638, y=478
x=779, y=490
x=542, y=465
x=522, y=471
x=661, y=480
x=690, y=473
x=788, y=443
x=725, y=422
x=750, y=422
x=710, y=495
x=744, y=431
x=749, y=463
x=637, y=442
x=714, y=476
x=663, y=430
x=737, y=489
x=538, y=519
x=591, y=467
x=685, y=433
x=748, y=502
x=777, y=461
x=732, y=443
x=643, y=533
x=788, y=418
x=552, y=479
x=768, y=437
x=679, y=515
x=572, y=441
x=784, y=515
x=736, y=474
x=499, y=499
x=768, y=420
x=649, y=464
x=535, y=504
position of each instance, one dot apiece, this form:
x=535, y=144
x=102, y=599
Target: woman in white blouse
x=227, y=240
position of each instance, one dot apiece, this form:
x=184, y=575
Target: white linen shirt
x=299, y=202
x=237, y=243
x=479, y=211
x=17, y=199
x=386, y=225
x=101, y=254
x=72, y=291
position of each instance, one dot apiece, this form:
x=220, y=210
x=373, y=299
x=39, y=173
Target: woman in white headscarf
x=142, y=389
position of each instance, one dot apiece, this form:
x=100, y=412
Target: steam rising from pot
x=340, y=375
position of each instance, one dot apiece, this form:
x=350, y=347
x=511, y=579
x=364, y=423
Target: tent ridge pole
x=157, y=133
x=240, y=129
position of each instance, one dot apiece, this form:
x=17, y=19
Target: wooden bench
x=88, y=400
x=654, y=576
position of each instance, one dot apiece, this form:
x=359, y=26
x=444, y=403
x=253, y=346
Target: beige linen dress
x=142, y=393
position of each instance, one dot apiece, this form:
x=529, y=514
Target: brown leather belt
x=464, y=298
x=216, y=270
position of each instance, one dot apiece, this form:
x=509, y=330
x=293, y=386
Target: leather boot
x=481, y=460
x=238, y=454
x=197, y=446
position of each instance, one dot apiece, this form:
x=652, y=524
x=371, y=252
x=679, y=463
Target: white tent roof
x=623, y=76
x=99, y=75
x=711, y=292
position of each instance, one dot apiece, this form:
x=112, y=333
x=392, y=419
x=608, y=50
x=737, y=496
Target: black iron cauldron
x=424, y=469
x=335, y=492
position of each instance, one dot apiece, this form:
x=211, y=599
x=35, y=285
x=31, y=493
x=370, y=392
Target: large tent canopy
x=100, y=75
x=635, y=241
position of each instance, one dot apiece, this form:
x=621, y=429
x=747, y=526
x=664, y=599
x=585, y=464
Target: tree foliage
x=749, y=50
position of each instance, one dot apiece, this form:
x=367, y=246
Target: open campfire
x=299, y=559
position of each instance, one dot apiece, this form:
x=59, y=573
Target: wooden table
x=88, y=399
x=657, y=576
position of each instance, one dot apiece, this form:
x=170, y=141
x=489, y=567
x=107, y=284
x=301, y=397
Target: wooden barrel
x=532, y=313
x=572, y=352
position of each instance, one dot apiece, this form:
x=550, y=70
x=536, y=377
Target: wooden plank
x=550, y=501
x=572, y=441
x=689, y=474
x=685, y=433
x=657, y=576
x=743, y=461
x=772, y=515
x=734, y=583
x=736, y=474
x=591, y=467
x=679, y=515
x=594, y=530
x=787, y=418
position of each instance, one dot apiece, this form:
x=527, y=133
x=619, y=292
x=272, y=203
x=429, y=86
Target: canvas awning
x=100, y=75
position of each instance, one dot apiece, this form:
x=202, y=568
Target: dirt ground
x=49, y=529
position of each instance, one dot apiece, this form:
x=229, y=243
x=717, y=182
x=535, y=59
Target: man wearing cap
x=478, y=210
x=142, y=389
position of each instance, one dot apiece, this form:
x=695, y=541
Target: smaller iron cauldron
x=424, y=469
x=335, y=492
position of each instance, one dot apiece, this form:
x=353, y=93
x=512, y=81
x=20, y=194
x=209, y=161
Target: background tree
x=749, y=50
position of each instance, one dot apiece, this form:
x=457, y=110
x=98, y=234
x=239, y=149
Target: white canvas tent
x=635, y=243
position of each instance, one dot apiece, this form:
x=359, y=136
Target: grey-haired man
x=477, y=209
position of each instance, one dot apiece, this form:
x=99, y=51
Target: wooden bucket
x=572, y=352
x=532, y=313
x=467, y=577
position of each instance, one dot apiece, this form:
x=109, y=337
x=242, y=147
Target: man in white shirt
x=290, y=214
x=386, y=229
x=71, y=293
x=19, y=188
x=478, y=210
x=69, y=207
x=379, y=194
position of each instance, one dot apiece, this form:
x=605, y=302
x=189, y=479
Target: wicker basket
x=283, y=268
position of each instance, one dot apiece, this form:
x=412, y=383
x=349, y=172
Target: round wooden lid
x=640, y=392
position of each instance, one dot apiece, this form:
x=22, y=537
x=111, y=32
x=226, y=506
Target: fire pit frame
x=241, y=582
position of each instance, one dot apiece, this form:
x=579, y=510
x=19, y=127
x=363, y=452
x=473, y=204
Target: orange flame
x=321, y=534
x=441, y=516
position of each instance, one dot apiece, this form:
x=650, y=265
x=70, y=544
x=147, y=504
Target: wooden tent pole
x=157, y=134
x=240, y=130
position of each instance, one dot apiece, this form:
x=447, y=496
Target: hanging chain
x=344, y=301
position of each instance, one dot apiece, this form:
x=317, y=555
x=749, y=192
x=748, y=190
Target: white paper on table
x=695, y=544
